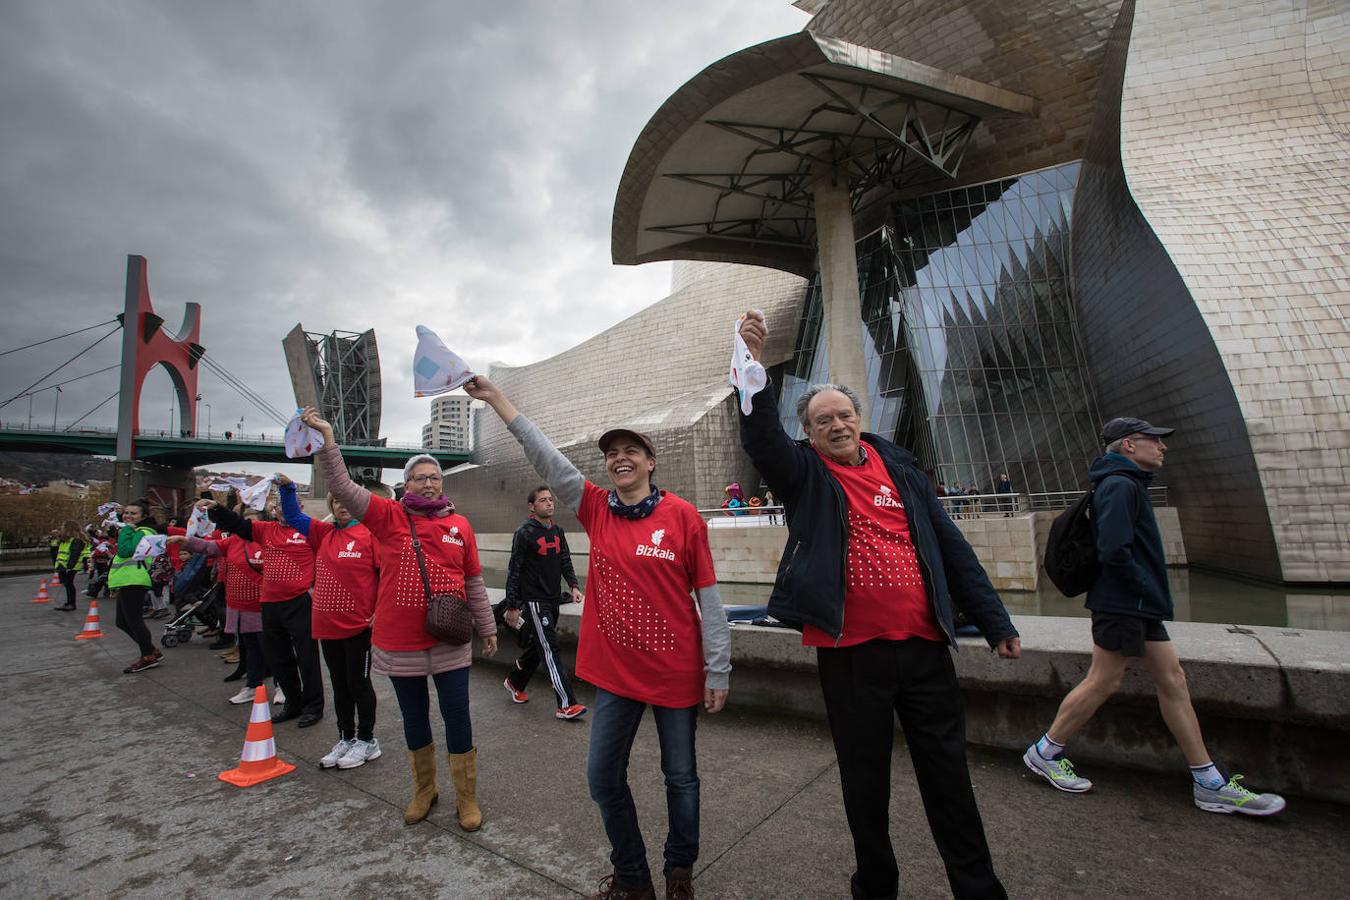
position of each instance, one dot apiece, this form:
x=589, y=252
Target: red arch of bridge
x=146, y=345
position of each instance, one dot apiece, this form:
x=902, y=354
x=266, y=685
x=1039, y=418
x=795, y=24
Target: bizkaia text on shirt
x=452, y=537
x=655, y=549
x=885, y=498
x=349, y=553
x=296, y=538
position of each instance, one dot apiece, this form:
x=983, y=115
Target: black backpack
x=1071, y=552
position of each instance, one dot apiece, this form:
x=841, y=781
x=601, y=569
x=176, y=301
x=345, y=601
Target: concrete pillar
x=839, y=286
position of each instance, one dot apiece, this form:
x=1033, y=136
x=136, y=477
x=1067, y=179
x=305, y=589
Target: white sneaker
x=361, y=752
x=245, y=695
x=278, y=699
x=334, y=757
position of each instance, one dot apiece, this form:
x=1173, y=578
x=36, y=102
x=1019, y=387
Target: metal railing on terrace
x=965, y=506
x=250, y=437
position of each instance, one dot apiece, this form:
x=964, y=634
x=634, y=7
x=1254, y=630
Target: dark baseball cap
x=614, y=434
x=1125, y=426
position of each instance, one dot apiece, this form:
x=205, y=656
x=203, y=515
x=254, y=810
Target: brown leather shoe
x=680, y=884
x=611, y=889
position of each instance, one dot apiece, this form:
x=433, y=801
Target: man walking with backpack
x=1130, y=600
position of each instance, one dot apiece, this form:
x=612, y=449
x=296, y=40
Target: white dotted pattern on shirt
x=277, y=566
x=898, y=566
x=626, y=617
x=408, y=590
x=330, y=592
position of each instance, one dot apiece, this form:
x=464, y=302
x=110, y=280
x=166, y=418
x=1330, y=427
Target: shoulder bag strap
x=417, y=549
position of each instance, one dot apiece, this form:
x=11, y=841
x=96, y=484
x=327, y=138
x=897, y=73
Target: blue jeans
x=414, y=702
x=614, y=725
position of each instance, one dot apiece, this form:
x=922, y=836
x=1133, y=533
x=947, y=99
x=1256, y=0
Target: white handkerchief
x=747, y=373
x=301, y=440
x=199, y=524
x=256, y=495
x=109, y=507
x=436, y=368
x=232, y=482
x=149, y=547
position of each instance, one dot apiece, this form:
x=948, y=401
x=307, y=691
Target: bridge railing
x=249, y=437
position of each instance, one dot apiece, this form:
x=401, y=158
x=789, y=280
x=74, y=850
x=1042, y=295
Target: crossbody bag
x=448, y=617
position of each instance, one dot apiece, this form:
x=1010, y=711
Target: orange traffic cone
x=90, y=629
x=42, y=593
x=258, y=762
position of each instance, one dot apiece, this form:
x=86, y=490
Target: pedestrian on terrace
x=1129, y=601
x=401, y=647
x=643, y=641
x=873, y=572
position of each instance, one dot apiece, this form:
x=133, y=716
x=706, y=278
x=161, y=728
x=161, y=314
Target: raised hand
x=479, y=388
x=310, y=416
x=754, y=332
x=280, y=479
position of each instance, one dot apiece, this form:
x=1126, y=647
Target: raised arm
x=197, y=545
x=340, y=484
x=291, y=510
x=557, y=470
x=228, y=519
x=763, y=439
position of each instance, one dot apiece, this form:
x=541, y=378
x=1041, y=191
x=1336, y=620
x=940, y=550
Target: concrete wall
x=1271, y=701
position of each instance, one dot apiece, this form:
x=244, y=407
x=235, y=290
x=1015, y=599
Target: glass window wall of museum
x=972, y=351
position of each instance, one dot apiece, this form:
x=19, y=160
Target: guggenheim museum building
x=1002, y=223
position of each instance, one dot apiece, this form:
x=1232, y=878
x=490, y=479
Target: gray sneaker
x=334, y=756
x=1059, y=772
x=360, y=753
x=1234, y=798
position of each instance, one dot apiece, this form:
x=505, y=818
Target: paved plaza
x=108, y=788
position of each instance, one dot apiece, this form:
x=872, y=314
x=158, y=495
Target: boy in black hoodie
x=540, y=561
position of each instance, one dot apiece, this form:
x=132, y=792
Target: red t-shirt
x=288, y=561
x=884, y=595
x=641, y=632
x=242, y=564
x=451, y=553
x=345, y=578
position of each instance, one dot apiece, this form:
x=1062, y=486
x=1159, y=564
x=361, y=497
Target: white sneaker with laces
x=334, y=757
x=279, y=698
x=361, y=752
x=245, y=695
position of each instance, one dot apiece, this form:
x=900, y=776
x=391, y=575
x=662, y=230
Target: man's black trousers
x=865, y=686
x=291, y=654
x=541, y=618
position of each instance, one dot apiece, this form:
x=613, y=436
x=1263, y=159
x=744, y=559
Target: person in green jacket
x=129, y=579
x=68, y=553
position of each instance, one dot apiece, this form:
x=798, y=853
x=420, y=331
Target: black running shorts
x=1125, y=634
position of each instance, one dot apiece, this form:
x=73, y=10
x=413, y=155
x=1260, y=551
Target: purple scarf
x=422, y=506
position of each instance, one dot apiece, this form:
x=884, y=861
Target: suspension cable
x=69, y=380
x=233, y=381
x=57, y=338
x=92, y=411
x=23, y=392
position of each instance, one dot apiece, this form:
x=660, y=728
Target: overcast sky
x=345, y=165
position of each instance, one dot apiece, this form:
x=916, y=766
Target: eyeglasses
x=425, y=479
x=1145, y=437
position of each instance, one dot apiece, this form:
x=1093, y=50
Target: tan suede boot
x=464, y=771
x=424, y=784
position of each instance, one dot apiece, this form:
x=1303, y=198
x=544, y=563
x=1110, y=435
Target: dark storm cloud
x=348, y=165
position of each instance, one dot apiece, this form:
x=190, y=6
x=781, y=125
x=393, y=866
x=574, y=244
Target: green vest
x=128, y=573
x=63, y=554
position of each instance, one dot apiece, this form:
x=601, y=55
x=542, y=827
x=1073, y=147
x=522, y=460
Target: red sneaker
x=516, y=696
x=575, y=711
x=140, y=665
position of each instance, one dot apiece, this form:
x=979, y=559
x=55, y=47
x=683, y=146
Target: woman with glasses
x=401, y=647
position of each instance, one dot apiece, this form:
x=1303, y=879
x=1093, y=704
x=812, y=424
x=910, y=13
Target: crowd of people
x=873, y=574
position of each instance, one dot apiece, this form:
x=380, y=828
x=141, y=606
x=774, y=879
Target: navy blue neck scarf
x=639, y=510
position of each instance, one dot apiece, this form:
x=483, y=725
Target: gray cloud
x=347, y=165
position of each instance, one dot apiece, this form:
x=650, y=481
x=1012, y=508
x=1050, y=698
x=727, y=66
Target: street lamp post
x=56, y=407
x=208, y=418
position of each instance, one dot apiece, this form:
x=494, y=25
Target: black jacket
x=1133, y=577
x=540, y=562
x=809, y=588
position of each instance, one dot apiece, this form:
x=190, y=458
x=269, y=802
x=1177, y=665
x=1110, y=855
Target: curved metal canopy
x=723, y=171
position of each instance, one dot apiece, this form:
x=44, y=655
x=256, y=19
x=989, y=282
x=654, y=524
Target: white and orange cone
x=258, y=762
x=90, y=629
x=42, y=593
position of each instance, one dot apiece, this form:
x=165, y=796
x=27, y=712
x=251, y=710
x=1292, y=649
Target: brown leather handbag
x=448, y=617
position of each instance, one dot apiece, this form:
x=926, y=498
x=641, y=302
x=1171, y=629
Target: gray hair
x=417, y=461
x=805, y=400
x=1116, y=446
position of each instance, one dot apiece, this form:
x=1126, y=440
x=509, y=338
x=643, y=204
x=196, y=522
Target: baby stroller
x=195, y=598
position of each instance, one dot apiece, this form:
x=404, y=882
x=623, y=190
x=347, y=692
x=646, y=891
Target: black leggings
x=67, y=577
x=348, y=661
x=131, y=619
x=251, y=656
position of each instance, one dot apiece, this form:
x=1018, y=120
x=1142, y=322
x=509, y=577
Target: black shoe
x=65, y=608
x=285, y=715
x=235, y=675
x=222, y=644
x=309, y=719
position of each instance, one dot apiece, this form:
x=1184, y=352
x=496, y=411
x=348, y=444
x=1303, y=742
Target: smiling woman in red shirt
x=644, y=639
x=401, y=647
x=346, y=574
